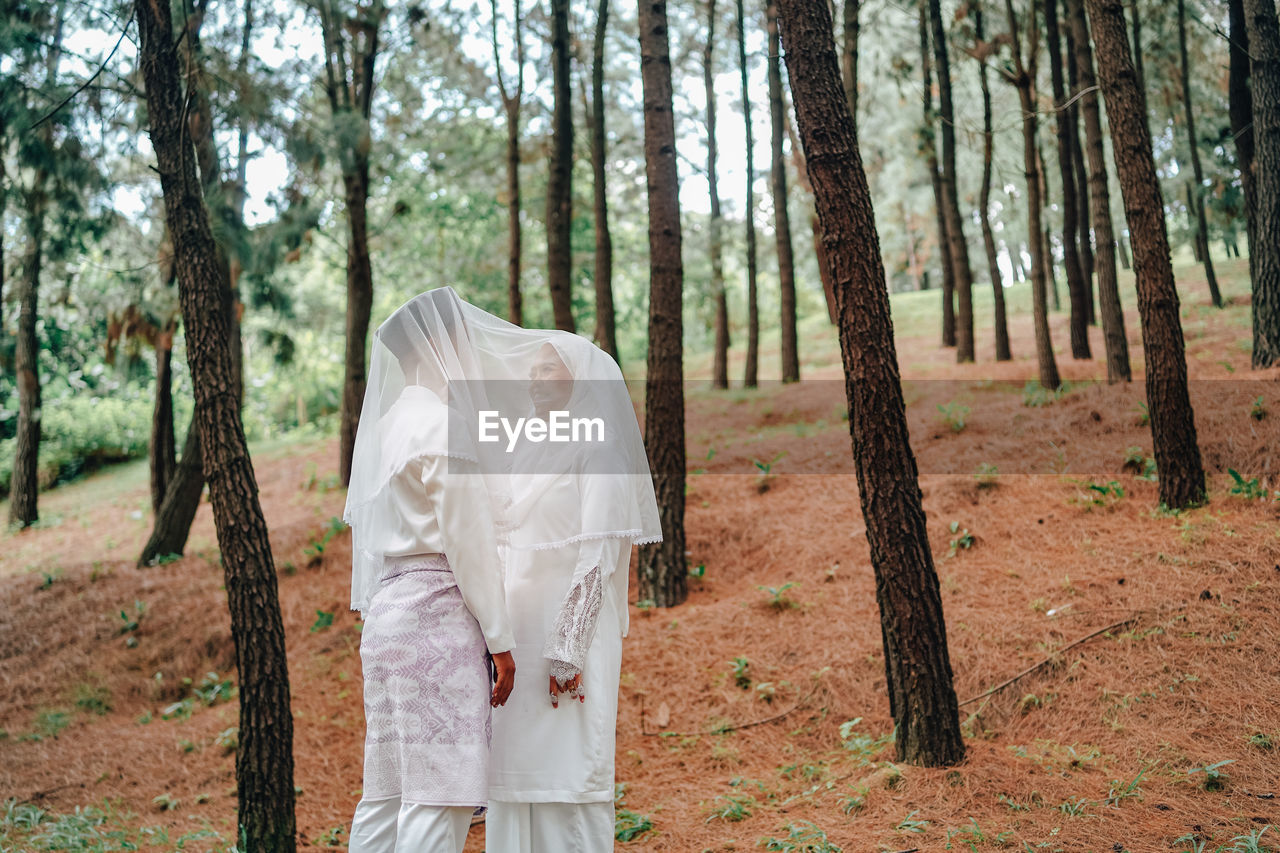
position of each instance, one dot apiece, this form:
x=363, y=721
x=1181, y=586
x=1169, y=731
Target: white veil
x=437, y=364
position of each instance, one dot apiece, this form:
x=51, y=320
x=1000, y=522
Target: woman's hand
x=505, y=665
x=572, y=688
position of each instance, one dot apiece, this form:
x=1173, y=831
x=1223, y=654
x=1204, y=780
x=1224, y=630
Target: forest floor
x=754, y=714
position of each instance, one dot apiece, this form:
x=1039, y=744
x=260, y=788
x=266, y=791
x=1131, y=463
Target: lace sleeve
x=574, y=627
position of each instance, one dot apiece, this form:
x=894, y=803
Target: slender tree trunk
x=1076, y=284
x=162, y=450
x=1023, y=77
x=605, y=336
x=264, y=760
x=1197, y=171
x=917, y=666
x=930, y=149
x=1138, y=53
x=560, y=173
x=1113, y=333
x=359, y=306
x=24, y=484
x=1241, y=111
x=662, y=571
x=181, y=500
x=1003, y=352
x=753, y=316
x=1084, y=229
x=781, y=219
x=720, y=366
x=819, y=250
x=959, y=246
x=1264, y=257
x=512, y=101
x=1173, y=427
x=1050, y=268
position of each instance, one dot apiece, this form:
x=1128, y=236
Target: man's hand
x=572, y=688
x=505, y=664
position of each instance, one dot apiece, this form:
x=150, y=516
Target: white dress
x=567, y=602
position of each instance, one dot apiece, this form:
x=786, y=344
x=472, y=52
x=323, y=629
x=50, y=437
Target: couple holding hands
x=492, y=580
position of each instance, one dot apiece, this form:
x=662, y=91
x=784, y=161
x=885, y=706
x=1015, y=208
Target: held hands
x=571, y=688
x=505, y=665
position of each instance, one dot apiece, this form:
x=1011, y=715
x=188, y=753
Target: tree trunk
x=162, y=450
x=1173, y=427
x=917, y=666
x=751, y=367
x=663, y=573
x=819, y=250
x=1264, y=255
x=1241, y=110
x=1085, y=232
x=1003, y=352
x=1197, y=171
x=605, y=335
x=355, y=184
x=511, y=104
x=264, y=760
x=929, y=146
x=781, y=219
x=181, y=500
x=959, y=247
x=1051, y=269
x=1024, y=77
x=1112, y=315
x=720, y=366
x=24, y=484
x=1076, y=285
x=560, y=173
x=849, y=56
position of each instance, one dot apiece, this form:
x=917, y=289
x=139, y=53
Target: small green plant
x=1121, y=790
x=213, y=689
x=1261, y=741
x=973, y=837
x=802, y=837
x=48, y=577
x=911, y=824
x=778, y=598
x=1073, y=808
x=731, y=808
x=93, y=698
x=323, y=620
x=765, y=478
x=953, y=415
x=49, y=724
x=855, y=802
x=166, y=802
x=986, y=476
x=741, y=672
x=1251, y=843
x=332, y=837
x=315, y=550
x=1035, y=395
x=1104, y=494
x=864, y=746
x=228, y=739
x=1144, y=414
x=1258, y=410
x=960, y=539
x=627, y=825
x=130, y=622
x=699, y=571
x=1139, y=464
x=1214, y=777
x=1249, y=489
x=164, y=559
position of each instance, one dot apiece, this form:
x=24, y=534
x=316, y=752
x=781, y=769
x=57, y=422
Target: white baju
x=437, y=606
x=551, y=778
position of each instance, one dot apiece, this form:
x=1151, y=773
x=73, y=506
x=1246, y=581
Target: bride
x=577, y=508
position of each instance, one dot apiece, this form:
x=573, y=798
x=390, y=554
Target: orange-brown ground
x=1193, y=680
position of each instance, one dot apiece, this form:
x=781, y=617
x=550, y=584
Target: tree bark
x=605, y=335
x=751, y=366
x=720, y=361
x=781, y=219
x=1076, y=286
x=1023, y=78
x=1112, y=315
x=1084, y=237
x=560, y=173
x=162, y=449
x=1173, y=427
x=24, y=483
x=1241, y=112
x=849, y=56
x=959, y=246
x=1050, y=268
x=1003, y=352
x=819, y=250
x=264, y=760
x=917, y=666
x=1197, y=171
x=663, y=573
x=928, y=145
x=181, y=500
x=1264, y=256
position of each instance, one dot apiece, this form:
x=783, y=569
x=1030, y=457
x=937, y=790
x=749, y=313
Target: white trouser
x=548, y=827
x=389, y=826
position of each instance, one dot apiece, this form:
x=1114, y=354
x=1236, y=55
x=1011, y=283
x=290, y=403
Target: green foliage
x=323, y=620
x=731, y=808
x=129, y=621
x=210, y=691
x=911, y=823
x=864, y=746
x=953, y=415
x=741, y=675
x=987, y=475
x=972, y=837
x=802, y=837
x=1249, y=489
x=778, y=598
x=1035, y=395
x=93, y=698
x=1121, y=790
x=627, y=825
x=316, y=549
x=1215, y=779
x=962, y=539
x=1258, y=410
x=1139, y=464
x=765, y=478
